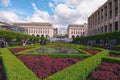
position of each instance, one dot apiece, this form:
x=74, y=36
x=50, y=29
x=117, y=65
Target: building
x=3, y=23
x=7, y=26
x=105, y=19
x=13, y=28
x=55, y=32
x=37, y=28
x=77, y=30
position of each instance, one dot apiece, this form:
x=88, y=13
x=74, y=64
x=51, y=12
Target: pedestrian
x=4, y=44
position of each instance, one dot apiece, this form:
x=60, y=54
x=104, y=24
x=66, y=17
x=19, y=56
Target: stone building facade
x=105, y=19
x=77, y=30
x=37, y=28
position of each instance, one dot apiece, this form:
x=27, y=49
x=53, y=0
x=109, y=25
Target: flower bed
x=16, y=50
x=45, y=66
x=91, y=51
x=56, y=50
x=116, y=55
x=106, y=71
x=1, y=72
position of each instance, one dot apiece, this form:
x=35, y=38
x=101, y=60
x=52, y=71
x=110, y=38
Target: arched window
x=77, y=36
x=73, y=36
x=42, y=35
x=47, y=36
x=38, y=35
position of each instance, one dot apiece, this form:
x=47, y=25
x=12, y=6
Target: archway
x=73, y=36
x=77, y=36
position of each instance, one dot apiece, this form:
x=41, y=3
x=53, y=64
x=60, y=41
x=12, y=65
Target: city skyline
x=60, y=13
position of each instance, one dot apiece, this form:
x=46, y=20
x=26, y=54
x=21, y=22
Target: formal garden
x=56, y=61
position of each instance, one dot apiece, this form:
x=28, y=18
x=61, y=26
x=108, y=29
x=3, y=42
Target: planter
x=45, y=66
x=16, y=50
x=91, y=51
x=56, y=50
x=116, y=55
x=105, y=71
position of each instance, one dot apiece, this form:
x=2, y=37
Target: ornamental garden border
x=15, y=69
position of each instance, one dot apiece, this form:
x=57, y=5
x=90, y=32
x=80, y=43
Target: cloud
x=65, y=12
x=52, y=6
x=38, y=16
x=8, y=16
x=5, y=3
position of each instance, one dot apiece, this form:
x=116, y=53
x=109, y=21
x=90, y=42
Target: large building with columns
x=77, y=30
x=38, y=28
x=105, y=19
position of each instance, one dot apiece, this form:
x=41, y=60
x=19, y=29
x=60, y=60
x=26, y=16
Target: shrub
x=14, y=68
x=45, y=66
x=80, y=71
x=106, y=71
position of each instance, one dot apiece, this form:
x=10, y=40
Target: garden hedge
x=14, y=68
x=111, y=60
x=105, y=36
x=81, y=56
x=80, y=70
x=11, y=35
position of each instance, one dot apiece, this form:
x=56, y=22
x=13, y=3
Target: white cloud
x=65, y=15
x=73, y=2
x=56, y=2
x=67, y=12
x=64, y=12
x=52, y=6
x=38, y=16
x=5, y=3
x=8, y=16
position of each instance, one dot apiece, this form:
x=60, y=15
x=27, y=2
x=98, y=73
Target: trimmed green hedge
x=80, y=70
x=81, y=56
x=106, y=37
x=111, y=60
x=14, y=68
x=11, y=35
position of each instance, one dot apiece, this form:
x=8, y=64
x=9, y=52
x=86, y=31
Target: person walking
x=4, y=44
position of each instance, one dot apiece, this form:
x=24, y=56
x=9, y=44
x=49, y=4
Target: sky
x=60, y=13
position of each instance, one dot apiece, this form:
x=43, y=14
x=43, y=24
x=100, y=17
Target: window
x=116, y=8
x=110, y=29
x=101, y=15
x=98, y=17
x=105, y=13
x=101, y=29
x=106, y=28
x=116, y=26
x=110, y=10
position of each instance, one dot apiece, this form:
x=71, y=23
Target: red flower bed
x=106, y=71
x=45, y=66
x=16, y=50
x=91, y=51
x=115, y=55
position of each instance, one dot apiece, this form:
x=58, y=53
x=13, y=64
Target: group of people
x=3, y=44
x=107, y=46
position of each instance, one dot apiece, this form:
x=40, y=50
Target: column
x=119, y=14
x=104, y=21
x=108, y=17
x=113, y=15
